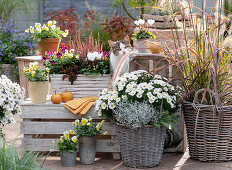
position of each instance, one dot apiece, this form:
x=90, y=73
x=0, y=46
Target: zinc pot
x=38, y=91
x=142, y=147
x=87, y=149
x=209, y=137
x=48, y=44
x=68, y=158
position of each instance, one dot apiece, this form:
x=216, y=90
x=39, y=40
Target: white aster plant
x=142, y=87
x=11, y=96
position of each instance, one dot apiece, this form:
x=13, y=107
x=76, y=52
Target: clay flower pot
x=38, y=91
x=154, y=47
x=48, y=44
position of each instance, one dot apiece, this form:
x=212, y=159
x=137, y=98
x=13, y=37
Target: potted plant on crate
x=142, y=36
x=38, y=82
x=85, y=66
x=87, y=132
x=48, y=36
x=142, y=106
x=203, y=69
x=68, y=148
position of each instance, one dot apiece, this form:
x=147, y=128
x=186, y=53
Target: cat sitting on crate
x=118, y=50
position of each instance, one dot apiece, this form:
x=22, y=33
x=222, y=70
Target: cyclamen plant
x=11, y=96
x=140, y=86
x=144, y=27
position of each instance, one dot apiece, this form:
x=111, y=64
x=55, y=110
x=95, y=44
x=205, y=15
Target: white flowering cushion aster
x=11, y=95
x=139, y=86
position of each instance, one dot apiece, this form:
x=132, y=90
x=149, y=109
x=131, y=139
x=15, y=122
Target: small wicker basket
x=7, y=69
x=143, y=147
x=213, y=139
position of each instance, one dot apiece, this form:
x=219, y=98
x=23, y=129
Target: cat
x=118, y=50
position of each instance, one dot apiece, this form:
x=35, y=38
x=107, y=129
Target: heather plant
x=13, y=43
x=82, y=48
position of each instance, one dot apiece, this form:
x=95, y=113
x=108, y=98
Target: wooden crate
x=84, y=85
x=43, y=123
x=166, y=21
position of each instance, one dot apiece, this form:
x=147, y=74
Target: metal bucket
x=68, y=159
x=87, y=149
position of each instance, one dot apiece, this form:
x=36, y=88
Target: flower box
x=84, y=85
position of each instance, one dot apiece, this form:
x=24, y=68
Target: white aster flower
x=136, y=22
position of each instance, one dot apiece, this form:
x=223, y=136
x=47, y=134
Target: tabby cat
x=118, y=50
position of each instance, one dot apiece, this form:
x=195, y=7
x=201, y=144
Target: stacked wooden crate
x=43, y=123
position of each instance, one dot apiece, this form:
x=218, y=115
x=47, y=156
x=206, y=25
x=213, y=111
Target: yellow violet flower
x=74, y=139
x=43, y=27
x=102, y=122
x=30, y=70
x=54, y=22
x=72, y=132
x=84, y=121
x=47, y=70
x=98, y=127
x=89, y=124
x=46, y=28
x=49, y=23
x=53, y=27
x=104, y=133
x=32, y=74
x=27, y=30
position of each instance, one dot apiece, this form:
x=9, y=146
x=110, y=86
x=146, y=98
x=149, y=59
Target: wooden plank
x=57, y=111
x=105, y=145
x=35, y=127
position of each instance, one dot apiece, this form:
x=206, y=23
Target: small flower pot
x=38, y=91
x=87, y=149
x=68, y=158
x=48, y=44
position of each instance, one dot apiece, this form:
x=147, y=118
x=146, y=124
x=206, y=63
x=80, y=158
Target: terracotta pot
x=48, y=44
x=38, y=91
x=154, y=47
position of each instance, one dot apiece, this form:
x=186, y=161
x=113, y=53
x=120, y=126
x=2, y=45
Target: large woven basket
x=141, y=148
x=211, y=140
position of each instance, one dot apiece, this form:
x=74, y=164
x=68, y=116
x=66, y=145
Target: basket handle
x=195, y=101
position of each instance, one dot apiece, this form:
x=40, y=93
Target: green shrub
x=10, y=159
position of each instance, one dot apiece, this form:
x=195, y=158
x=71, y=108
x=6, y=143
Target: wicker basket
x=7, y=70
x=143, y=147
x=212, y=140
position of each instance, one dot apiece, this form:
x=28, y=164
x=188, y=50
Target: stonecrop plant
x=11, y=96
x=49, y=30
x=66, y=143
x=140, y=86
x=86, y=127
x=34, y=74
x=144, y=27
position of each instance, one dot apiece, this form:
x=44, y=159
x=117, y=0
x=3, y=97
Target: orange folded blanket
x=80, y=106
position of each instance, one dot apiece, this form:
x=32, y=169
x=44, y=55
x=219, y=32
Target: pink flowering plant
x=140, y=86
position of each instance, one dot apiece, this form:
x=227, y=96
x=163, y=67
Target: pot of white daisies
x=11, y=96
x=143, y=106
